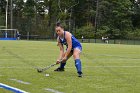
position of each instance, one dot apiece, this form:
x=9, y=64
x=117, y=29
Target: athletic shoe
x=80, y=74
x=59, y=69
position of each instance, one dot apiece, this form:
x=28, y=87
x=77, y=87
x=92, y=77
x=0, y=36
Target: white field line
x=15, y=90
x=52, y=90
x=103, y=59
x=20, y=81
x=82, y=67
x=1, y=75
x=109, y=67
x=117, y=56
x=14, y=67
x=93, y=59
x=114, y=66
x=26, y=59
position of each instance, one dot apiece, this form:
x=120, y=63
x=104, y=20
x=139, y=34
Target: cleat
x=39, y=70
x=80, y=74
x=59, y=69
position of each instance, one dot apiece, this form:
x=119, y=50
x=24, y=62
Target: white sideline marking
x=52, y=90
x=115, y=66
x=7, y=67
x=15, y=67
x=16, y=90
x=108, y=67
x=19, y=81
x=117, y=56
x=82, y=67
x=27, y=59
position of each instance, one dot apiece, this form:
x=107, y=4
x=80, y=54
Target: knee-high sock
x=78, y=65
x=62, y=65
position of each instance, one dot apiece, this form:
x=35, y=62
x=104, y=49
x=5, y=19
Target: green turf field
x=107, y=68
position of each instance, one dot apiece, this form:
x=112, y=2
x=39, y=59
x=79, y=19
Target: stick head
x=39, y=70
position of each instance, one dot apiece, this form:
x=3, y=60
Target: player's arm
x=69, y=42
x=61, y=50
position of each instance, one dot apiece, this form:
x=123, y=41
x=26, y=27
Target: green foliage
x=136, y=14
x=116, y=15
x=137, y=34
x=2, y=6
x=114, y=18
x=62, y=16
x=29, y=9
x=103, y=31
x=85, y=31
x=2, y=21
x=18, y=6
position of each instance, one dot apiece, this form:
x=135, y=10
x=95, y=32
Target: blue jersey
x=75, y=42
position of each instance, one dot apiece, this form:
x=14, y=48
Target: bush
x=85, y=31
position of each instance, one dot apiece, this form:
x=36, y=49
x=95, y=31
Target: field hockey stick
x=46, y=68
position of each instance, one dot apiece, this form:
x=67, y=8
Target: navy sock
x=62, y=65
x=78, y=66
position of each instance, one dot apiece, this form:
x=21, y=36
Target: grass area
x=107, y=68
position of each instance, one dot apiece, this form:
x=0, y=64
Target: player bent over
x=73, y=48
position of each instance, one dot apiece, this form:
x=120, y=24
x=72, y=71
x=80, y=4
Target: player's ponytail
x=58, y=24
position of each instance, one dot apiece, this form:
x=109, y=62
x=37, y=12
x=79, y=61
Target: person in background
x=82, y=39
x=18, y=35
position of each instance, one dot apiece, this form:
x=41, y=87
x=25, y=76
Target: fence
x=111, y=41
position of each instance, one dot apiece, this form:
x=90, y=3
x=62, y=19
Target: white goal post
x=8, y=34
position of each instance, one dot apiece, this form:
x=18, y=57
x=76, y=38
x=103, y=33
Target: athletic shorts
x=78, y=47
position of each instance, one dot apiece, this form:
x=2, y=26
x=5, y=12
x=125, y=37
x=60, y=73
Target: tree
x=136, y=13
x=18, y=6
x=2, y=12
x=2, y=6
x=115, y=15
x=29, y=9
x=115, y=18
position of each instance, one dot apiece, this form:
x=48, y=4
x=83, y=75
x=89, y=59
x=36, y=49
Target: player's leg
x=76, y=55
x=62, y=65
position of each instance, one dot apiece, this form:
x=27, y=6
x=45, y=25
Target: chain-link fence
x=111, y=41
x=39, y=28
